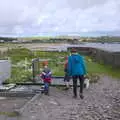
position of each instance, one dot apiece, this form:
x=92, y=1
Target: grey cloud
x=21, y=17
x=84, y=4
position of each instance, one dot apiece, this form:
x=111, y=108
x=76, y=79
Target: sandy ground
x=42, y=46
x=32, y=46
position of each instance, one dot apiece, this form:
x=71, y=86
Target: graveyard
x=59, y=60
x=23, y=99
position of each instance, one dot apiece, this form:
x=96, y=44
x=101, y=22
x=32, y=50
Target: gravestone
x=5, y=70
x=35, y=67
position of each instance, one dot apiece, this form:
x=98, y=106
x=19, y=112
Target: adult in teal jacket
x=76, y=69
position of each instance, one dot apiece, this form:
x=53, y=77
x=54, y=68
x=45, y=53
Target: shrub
x=19, y=75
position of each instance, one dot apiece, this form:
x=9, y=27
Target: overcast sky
x=32, y=17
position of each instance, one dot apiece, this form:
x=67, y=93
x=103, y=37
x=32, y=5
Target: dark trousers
x=81, y=80
x=46, y=87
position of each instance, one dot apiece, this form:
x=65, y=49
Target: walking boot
x=81, y=96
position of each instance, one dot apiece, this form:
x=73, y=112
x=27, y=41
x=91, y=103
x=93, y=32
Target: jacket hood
x=76, y=58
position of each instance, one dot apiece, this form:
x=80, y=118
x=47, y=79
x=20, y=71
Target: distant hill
x=7, y=39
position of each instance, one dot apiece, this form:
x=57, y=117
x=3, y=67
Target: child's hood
x=47, y=70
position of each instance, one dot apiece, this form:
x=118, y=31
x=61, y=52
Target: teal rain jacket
x=76, y=65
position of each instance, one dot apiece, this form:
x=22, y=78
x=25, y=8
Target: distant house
x=14, y=41
x=21, y=40
x=2, y=41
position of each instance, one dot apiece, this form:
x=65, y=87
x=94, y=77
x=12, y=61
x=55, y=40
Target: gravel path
x=101, y=102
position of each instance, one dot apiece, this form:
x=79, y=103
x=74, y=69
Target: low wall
x=82, y=50
x=102, y=56
x=106, y=57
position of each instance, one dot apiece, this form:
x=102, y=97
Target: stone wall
x=106, y=57
x=82, y=50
